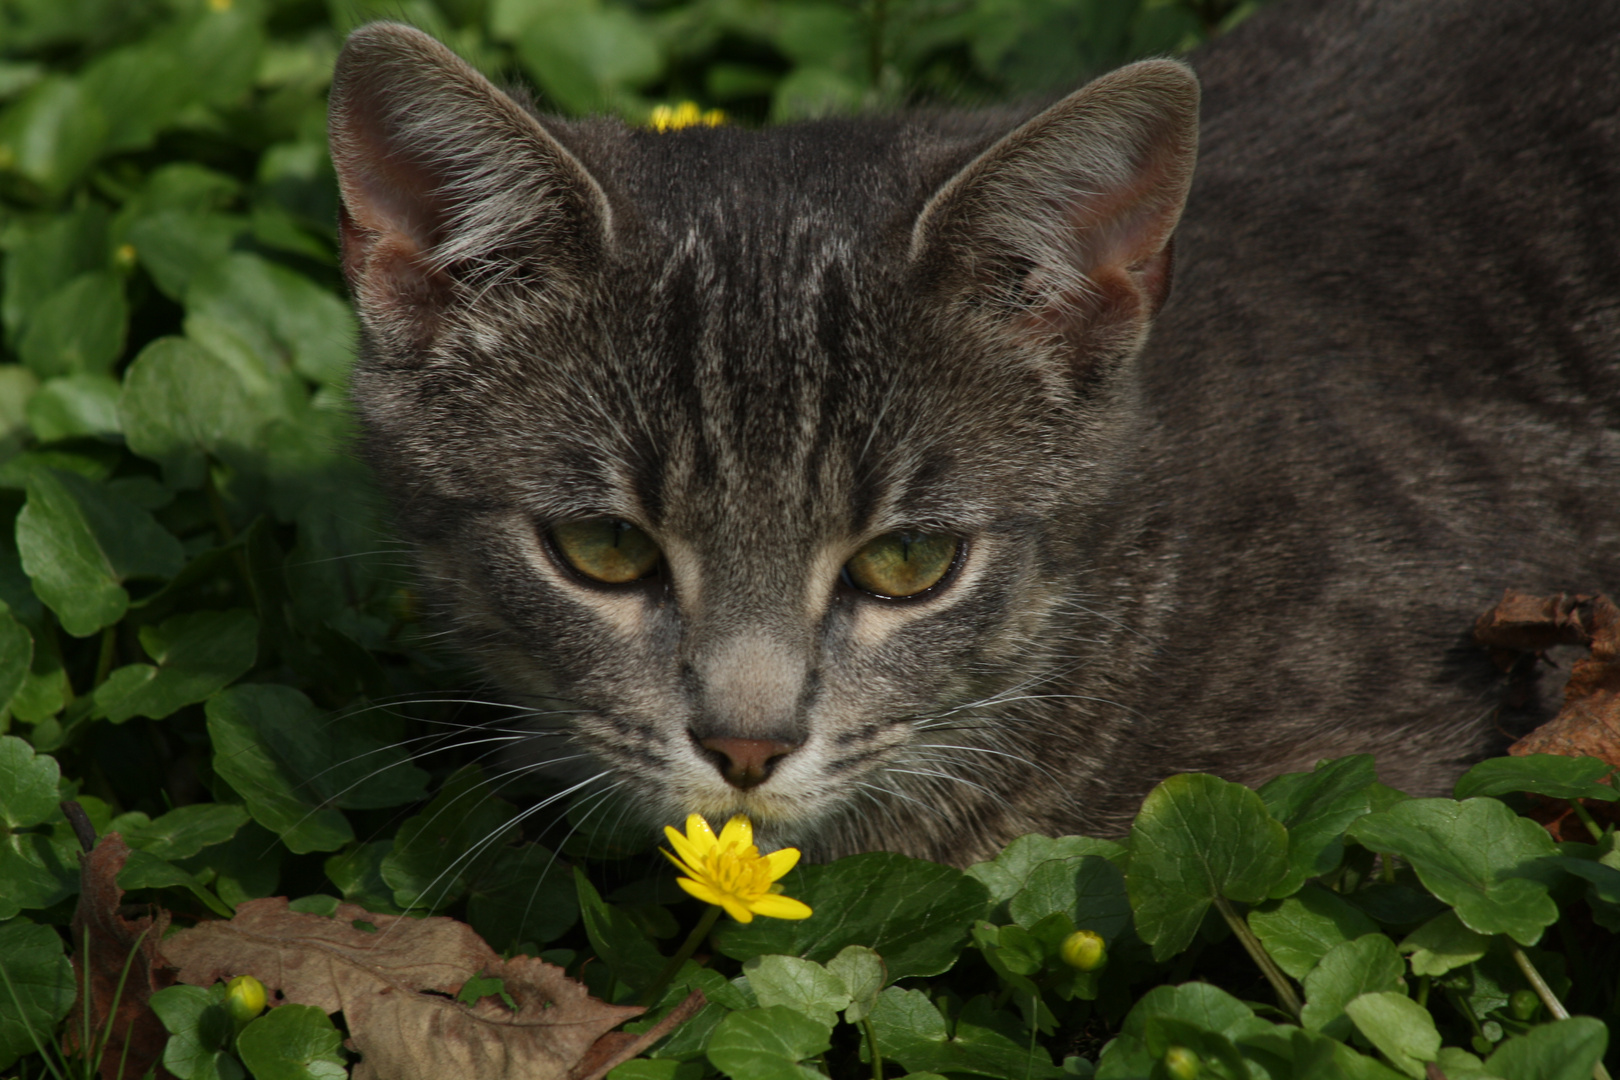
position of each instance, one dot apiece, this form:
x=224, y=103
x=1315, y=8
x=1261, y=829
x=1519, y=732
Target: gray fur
x=1386, y=387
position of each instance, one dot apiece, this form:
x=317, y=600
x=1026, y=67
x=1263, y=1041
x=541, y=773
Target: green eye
x=902, y=563
x=606, y=549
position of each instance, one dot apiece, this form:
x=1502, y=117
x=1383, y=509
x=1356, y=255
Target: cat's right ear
x=1061, y=232
x=448, y=184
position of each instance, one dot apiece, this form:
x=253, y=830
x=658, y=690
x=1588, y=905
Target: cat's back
x=1388, y=383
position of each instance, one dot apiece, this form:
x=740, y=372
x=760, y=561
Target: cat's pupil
x=901, y=564
x=607, y=550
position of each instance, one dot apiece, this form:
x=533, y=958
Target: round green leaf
x=1198, y=837
x=16, y=656
x=79, y=542
x=1090, y=890
x=1442, y=944
x=1300, y=930
x=284, y=318
x=1563, y=1050
x=36, y=988
x=1477, y=856
x=1403, y=1030
x=52, y=134
x=199, y=1031
x=75, y=406
x=292, y=1042
x=196, y=655
x=1553, y=775
x=257, y=731
x=914, y=914
x=437, y=852
x=768, y=1044
x=804, y=986
x=79, y=328
x=1316, y=807
x=28, y=784
x=1369, y=964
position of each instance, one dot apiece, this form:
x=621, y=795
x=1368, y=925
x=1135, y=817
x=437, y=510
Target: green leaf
x=75, y=406
x=46, y=257
x=182, y=402
x=1217, y=1056
x=268, y=744
x=587, y=55
x=768, y=1044
x=178, y=246
x=1553, y=775
x=1007, y=873
x=292, y=1042
x=28, y=784
x=1563, y=1050
x=18, y=386
x=801, y=985
x=1477, y=856
x=186, y=830
x=37, y=871
x=910, y=1030
x=618, y=940
x=914, y=914
x=16, y=656
x=196, y=655
x=1089, y=890
x=1443, y=944
x=1198, y=837
x=1402, y=1029
x=200, y=1032
x=284, y=318
x=1369, y=964
x=1205, y=1006
x=521, y=895
x=36, y=988
x=863, y=974
x=79, y=542
x=437, y=851
x=52, y=134
x=78, y=329
x=1300, y=930
x=1316, y=807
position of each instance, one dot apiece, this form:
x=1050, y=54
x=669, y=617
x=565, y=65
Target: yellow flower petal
x=687, y=852
x=702, y=891
x=699, y=833
x=736, y=909
x=773, y=906
x=740, y=831
x=780, y=862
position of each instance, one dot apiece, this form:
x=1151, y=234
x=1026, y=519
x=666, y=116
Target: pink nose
x=746, y=763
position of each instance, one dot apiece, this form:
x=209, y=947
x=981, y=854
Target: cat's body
x=1387, y=387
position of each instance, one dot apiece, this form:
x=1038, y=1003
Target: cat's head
x=778, y=466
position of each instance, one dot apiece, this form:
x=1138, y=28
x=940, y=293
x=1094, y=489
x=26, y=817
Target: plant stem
x=1548, y=998
x=1268, y=967
x=871, y=1045
x=682, y=955
x=1586, y=819
x=109, y=646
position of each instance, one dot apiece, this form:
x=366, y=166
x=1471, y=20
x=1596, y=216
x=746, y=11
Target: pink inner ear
x=1127, y=230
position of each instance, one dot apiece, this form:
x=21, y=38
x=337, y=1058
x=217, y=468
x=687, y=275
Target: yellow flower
x=729, y=871
x=685, y=115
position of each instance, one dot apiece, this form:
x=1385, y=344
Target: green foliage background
x=208, y=640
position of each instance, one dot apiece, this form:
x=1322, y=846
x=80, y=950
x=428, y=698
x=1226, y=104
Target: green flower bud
x=1084, y=949
x=1181, y=1063
x=244, y=998
x=1523, y=1004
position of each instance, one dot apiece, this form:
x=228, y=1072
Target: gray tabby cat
x=828, y=473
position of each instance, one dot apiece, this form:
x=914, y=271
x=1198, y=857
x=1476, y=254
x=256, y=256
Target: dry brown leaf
x=126, y=967
x=394, y=984
x=1589, y=721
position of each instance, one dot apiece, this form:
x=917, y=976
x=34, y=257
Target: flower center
x=738, y=870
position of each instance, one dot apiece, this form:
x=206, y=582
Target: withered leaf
x=122, y=963
x=394, y=979
x=1589, y=721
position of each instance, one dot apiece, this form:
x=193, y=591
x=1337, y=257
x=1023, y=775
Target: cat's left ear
x=1064, y=227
